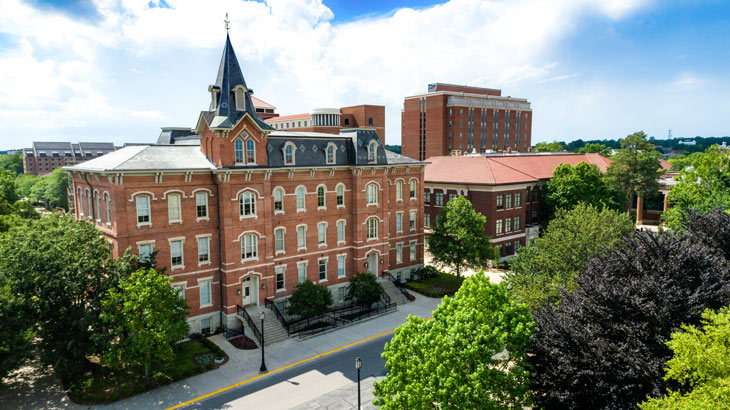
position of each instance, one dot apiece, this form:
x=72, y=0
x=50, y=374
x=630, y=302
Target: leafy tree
x=603, y=346
x=458, y=239
x=595, y=148
x=309, y=300
x=65, y=268
x=145, y=317
x=470, y=356
x=710, y=228
x=703, y=185
x=551, y=263
x=8, y=192
x=635, y=169
x=24, y=183
x=52, y=189
x=16, y=331
x=581, y=183
x=701, y=364
x=554, y=146
x=364, y=289
x=12, y=163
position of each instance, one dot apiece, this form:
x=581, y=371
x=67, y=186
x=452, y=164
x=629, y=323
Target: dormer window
x=240, y=94
x=372, y=151
x=250, y=152
x=330, y=152
x=214, y=91
x=289, y=150
x=238, y=148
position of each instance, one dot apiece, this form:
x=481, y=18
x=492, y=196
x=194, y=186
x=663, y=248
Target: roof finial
x=227, y=24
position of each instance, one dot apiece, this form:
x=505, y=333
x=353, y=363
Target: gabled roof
x=287, y=117
x=257, y=103
x=504, y=169
x=147, y=158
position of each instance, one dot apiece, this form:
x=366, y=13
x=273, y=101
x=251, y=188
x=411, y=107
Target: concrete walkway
x=243, y=365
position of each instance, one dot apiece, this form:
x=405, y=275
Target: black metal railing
x=268, y=303
x=339, y=318
x=231, y=333
x=242, y=312
x=398, y=284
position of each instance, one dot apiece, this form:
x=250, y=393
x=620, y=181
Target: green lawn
x=100, y=384
x=443, y=284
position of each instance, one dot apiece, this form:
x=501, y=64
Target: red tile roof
x=261, y=104
x=507, y=169
x=287, y=117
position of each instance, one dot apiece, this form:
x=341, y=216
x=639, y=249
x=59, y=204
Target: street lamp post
x=358, y=365
x=263, y=364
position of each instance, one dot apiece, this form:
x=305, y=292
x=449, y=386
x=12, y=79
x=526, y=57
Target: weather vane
x=227, y=24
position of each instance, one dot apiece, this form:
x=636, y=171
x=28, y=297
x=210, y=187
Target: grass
x=436, y=287
x=100, y=384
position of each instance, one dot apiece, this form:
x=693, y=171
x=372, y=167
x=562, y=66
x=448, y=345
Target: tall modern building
x=453, y=119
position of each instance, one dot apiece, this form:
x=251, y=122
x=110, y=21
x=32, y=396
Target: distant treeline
x=701, y=143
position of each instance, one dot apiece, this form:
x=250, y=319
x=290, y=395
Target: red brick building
x=334, y=120
x=43, y=157
x=251, y=211
x=507, y=189
x=453, y=119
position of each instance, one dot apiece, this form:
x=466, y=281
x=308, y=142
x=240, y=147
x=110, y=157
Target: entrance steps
x=274, y=332
x=392, y=291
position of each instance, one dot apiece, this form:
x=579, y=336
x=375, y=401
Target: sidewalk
x=243, y=365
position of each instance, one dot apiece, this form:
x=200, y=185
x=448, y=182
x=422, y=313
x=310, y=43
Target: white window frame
x=412, y=245
x=373, y=152
x=413, y=189
x=209, y=282
x=341, y=265
x=278, y=191
x=236, y=149
x=249, y=150
x=322, y=234
x=508, y=201
x=399, y=190
x=516, y=223
x=331, y=148
x=301, y=266
x=172, y=208
x=439, y=199
x=180, y=287
x=278, y=251
x=427, y=198
x=371, y=197
x=341, y=231
x=339, y=196
x=280, y=270
x=203, y=195
x=399, y=222
x=293, y=159
x=206, y=238
x=303, y=191
x=426, y=220
x=254, y=244
x=108, y=203
x=242, y=205
x=518, y=200
x=319, y=269
x=301, y=237
x=372, y=228
x=399, y=252
x=498, y=227
x=412, y=220
x=507, y=225
x=148, y=222
x=181, y=265
x=323, y=189
x=140, y=244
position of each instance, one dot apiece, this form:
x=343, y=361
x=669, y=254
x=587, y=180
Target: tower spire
x=227, y=24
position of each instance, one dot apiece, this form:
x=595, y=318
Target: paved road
x=303, y=383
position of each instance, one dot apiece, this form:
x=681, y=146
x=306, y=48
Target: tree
x=64, y=268
x=703, y=185
x=309, y=300
x=458, y=239
x=701, y=364
x=581, y=183
x=16, y=331
x=52, y=189
x=551, y=263
x=603, y=346
x=8, y=192
x=12, y=163
x=24, y=184
x=470, y=356
x=364, y=289
x=595, y=148
x=554, y=146
x=635, y=169
x=145, y=316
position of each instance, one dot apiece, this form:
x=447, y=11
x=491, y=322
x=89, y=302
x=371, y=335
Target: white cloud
x=60, y=75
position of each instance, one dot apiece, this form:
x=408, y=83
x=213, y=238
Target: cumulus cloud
x=67, y=73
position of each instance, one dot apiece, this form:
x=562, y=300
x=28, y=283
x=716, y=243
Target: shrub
x=309, y=300
x=426, y=272
x=364, y=289
x=195, y=336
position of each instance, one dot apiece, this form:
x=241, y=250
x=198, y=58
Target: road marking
x=233, y=386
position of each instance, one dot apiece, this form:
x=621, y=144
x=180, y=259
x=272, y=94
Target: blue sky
x=116, y=71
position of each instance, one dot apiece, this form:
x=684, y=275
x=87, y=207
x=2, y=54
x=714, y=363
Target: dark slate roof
x=230, y=76
x=169, y=136
x=395, y=158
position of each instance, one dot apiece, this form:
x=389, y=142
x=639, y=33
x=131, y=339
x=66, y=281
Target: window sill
x=204, y=263
x=278, y=212
x=179, y=221
x=139, y=225
x=301, y=249
x=321, y=208
x=340, y=206
x=322, y=245
x=302, y=210
x=207, y=305
x=375, y=204
x=281, y=290
x=279, y=252
x=372, y=239
x=202, y=219
x=323, y=280
x=181, y=267
x=250, y=260
x=109, y=224
x=413, y=199
x=240, y=218
x=340, y=242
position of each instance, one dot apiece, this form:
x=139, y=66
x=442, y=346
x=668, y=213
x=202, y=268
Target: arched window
x=278, y=200
x=372, y=194
x=247, y=204
x=174, y=211
x=289, y=150
x=301, y=204
x=413, y=189
x=143, y=209
x=98, y=208
x=249, y=247
x=340, y=195
x=399, y=190
x=372, y=228
x=238, y=146
x=331, y=150
x=90, y=203
x=80, y=205
x=320, y=197
x=250, y=152
x=108, y=209
x=372, y=151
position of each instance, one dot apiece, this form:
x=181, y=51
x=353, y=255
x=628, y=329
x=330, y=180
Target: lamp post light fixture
x=358, y=365
x=263, y=364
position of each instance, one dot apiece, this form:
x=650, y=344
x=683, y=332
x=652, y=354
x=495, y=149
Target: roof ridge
x=144, y=147
x=489, y=168
x=515, y=169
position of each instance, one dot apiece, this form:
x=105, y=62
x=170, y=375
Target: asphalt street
x=291, y=387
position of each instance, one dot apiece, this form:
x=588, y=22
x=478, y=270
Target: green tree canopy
x=52, y=189
x=470, y=356
x=12, y=163
x=701, y=364
x=24, y=183
x=551, y=263
x=703, y=185
x=364, y=289
x=16, y=331
x=458, y=239
x=145, y=316
x=603, y=346
x=635, y=169
x=595, y=148
x=554, y=146
x=584, y=183
x=309, y=300
x=64, y=268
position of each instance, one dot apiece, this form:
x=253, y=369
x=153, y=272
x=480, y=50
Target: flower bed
x=242, y=342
